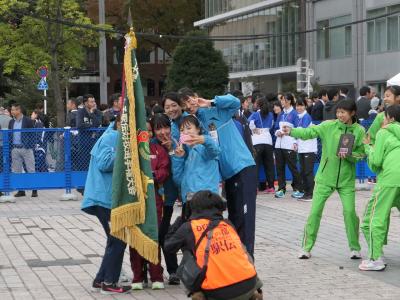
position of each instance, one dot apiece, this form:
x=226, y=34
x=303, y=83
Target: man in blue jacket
x=236, y=163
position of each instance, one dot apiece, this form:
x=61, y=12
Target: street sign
x=42, y=85
x=42, y=72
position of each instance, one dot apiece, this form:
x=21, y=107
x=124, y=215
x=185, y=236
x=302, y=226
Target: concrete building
x=353, y=55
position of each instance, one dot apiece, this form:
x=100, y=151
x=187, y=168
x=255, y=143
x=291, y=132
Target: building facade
x=351, y=55
x=266, y=63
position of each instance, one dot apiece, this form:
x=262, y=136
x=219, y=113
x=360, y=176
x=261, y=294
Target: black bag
x=189, y=272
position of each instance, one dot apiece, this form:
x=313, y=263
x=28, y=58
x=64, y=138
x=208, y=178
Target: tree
x=28, y=40
x=197, y=65
x=164, y=17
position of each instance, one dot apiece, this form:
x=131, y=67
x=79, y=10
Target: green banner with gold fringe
x=134, y=214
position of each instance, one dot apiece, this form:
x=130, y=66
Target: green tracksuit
x=383, y=159
x=375, y=126
x=333, y=174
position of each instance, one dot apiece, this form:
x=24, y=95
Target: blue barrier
x=62, y=155
x=61, y=158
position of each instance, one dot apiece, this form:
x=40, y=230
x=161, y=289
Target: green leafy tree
x=164, y=17
x=196, y=64
x=28, y=40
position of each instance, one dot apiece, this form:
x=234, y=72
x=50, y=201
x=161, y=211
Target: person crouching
x=229, y=272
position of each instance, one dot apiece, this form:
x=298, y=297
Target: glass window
x=322, y=40
x=383, y=33
x=281, y=49
x=336, y=42
x=393, y=33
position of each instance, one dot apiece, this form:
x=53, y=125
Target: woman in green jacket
x=391, y=97
x=383, y=159
x=337, y=171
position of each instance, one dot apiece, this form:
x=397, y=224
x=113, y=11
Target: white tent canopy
x=394, y=80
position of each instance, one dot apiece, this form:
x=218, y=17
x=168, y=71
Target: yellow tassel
x=135, y=238
x=127, y=215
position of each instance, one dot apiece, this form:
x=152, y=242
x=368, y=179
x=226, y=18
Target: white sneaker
x=372, y=265
x=157, y=285
x=137, y=286
x=304, y=255
x=124, y=278
x=355, y=255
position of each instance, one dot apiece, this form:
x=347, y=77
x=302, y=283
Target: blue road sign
x=42, y=85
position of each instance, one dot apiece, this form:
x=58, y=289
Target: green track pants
x=351, y=221
x=375, y=225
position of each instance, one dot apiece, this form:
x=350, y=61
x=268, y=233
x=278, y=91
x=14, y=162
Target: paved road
x=50, y=250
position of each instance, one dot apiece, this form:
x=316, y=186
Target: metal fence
x=45, y=158
x=58, y=158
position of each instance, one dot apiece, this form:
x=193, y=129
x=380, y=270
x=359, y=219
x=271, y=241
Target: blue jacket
x=198, y=169
x=99, y=178
x=234, y=155
x=304, y=122
x=291, y=117
x=175, y=128
x=267, y=121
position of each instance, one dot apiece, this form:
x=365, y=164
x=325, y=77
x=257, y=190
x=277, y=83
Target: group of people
x=337, y=172
x=197, y=144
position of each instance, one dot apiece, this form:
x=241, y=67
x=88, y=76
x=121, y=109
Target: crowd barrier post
x=6, y=166
x=68, y=195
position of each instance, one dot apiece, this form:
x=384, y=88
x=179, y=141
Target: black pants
x=111, y=265
x=171, y=260
x=241, y=194
x=307, y=161
x=265, y=158
x=288, y=157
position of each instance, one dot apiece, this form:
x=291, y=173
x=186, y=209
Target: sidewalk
x=50, y=250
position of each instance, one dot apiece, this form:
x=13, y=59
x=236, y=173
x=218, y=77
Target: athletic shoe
x=280, y=194
x=305, y=198
x=297, y=194
x=137, y=286
x=113, y=288
x=304, y=255
x=372, y=265
x=270, y=191
x=96, y=287
x=124, y=278
x=173, y=279
x=355, y=254
x=157, y=285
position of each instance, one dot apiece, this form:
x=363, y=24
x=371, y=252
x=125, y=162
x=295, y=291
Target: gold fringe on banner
x=135, y=238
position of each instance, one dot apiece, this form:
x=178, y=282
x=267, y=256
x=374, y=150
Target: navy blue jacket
x=27, y=138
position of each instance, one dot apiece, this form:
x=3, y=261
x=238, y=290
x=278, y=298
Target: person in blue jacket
x=261, y=123
x=195, y=162
x=173, y=109
x=237, y=165
x=286, y=149
x=97, y=202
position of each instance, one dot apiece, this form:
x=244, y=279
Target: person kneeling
x=212, y=250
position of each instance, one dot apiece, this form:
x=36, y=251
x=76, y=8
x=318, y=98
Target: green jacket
x=333, y=171
x=375, y=126
x=383, y=157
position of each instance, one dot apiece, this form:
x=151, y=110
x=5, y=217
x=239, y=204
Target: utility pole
x=103, y=55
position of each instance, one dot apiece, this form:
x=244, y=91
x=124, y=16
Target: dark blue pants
x=171, y=259
x=111, y=264
x=241, y=194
